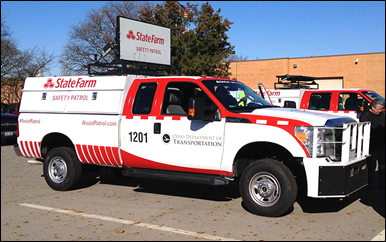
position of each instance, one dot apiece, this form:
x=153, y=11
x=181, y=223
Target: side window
x=340, y=102
x=320, y=101
x=351, y=101
x=144, y=98
x=177, y=95
x=11, y=108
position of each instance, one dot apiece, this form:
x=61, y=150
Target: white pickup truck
x=206, y=130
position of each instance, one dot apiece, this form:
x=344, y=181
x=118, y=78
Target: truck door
x=160, y=136
x=350, y=104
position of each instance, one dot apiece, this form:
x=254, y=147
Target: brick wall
x=11, y=94
x=368, y=73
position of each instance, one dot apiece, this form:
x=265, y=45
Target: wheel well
x=260, y=150
x=54, y=140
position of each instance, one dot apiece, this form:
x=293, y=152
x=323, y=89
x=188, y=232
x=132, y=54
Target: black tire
x=62, y=169
x=268, y=188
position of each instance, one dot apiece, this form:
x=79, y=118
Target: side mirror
x=196, y=108
x=289, y=104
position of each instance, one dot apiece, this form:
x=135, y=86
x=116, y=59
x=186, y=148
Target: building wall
x=11, y=94
x=368, y=73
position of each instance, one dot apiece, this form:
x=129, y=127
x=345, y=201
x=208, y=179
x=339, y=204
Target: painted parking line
x=379, y=237
x=124, y=221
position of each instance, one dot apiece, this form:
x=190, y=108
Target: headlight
x=339, y=143
x=306, y=136
x=324, y=140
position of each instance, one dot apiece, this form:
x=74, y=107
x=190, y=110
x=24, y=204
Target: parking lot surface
x=105, y=207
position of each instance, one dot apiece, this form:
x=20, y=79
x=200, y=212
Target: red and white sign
x=70, y=83
x=143, y=42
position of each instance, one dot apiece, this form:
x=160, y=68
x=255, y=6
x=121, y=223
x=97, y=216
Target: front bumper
x=342, y=180
x=8, y=135
x=330, y=179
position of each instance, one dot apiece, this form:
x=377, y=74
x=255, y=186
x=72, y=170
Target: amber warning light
x=196, y=108
x=191, y=111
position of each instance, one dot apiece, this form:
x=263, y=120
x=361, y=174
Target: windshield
x=235, y=96
x=372, y=95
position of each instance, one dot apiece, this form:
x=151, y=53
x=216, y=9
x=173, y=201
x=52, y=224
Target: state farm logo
x=145, y=38
x=70, y=83
x=49, y=84
x=273, y=93
x=130, y=35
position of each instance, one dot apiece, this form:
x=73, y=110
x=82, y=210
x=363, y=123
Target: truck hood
x=313, y=118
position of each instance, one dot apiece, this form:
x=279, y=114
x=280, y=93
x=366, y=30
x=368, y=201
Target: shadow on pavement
x=170, y=188
x=374, y=198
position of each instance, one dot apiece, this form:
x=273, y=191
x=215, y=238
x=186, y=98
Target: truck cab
x=348, y=102
x=302, y=92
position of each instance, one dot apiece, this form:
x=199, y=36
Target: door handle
x=157, y=128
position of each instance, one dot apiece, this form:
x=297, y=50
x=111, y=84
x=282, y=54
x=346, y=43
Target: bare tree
x=9, y=52
x=93, y=33
x=16, y=65
x=235, y=57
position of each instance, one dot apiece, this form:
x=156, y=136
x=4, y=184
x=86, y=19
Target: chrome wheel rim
x=57, y=170
x=264, y=189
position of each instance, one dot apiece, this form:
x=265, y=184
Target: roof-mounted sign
x=143, y=42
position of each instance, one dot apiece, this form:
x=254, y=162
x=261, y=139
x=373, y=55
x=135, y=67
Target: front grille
x=8, y=127
x=8, y=123
x=342, y=144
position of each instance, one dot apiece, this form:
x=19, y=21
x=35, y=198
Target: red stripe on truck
x=94, y=154
x=131, y=160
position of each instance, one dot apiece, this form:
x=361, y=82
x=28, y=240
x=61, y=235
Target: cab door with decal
x=165, y=139
x=136, y=138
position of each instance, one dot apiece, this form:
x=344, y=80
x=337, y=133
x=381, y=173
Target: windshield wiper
x=265, y=106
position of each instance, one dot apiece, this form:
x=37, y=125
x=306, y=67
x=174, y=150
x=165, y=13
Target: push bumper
x=342, y=180
x=330, y=179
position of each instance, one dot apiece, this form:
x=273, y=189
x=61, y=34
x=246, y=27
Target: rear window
x=143, y=101
x=320, y=101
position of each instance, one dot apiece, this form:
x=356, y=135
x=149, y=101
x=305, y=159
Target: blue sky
x=261, y=30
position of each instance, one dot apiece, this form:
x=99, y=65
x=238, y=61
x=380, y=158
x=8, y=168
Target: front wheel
x=62, y=169
x=268, y=188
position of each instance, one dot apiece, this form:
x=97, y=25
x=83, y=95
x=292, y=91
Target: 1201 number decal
x=138, y=137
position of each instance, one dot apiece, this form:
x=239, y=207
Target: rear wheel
x=268, y=188
x=62, y=169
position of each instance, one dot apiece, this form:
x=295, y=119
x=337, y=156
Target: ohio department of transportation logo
x=166, y=138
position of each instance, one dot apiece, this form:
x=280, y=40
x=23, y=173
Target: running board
x=35, y=162
x=177, y=176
